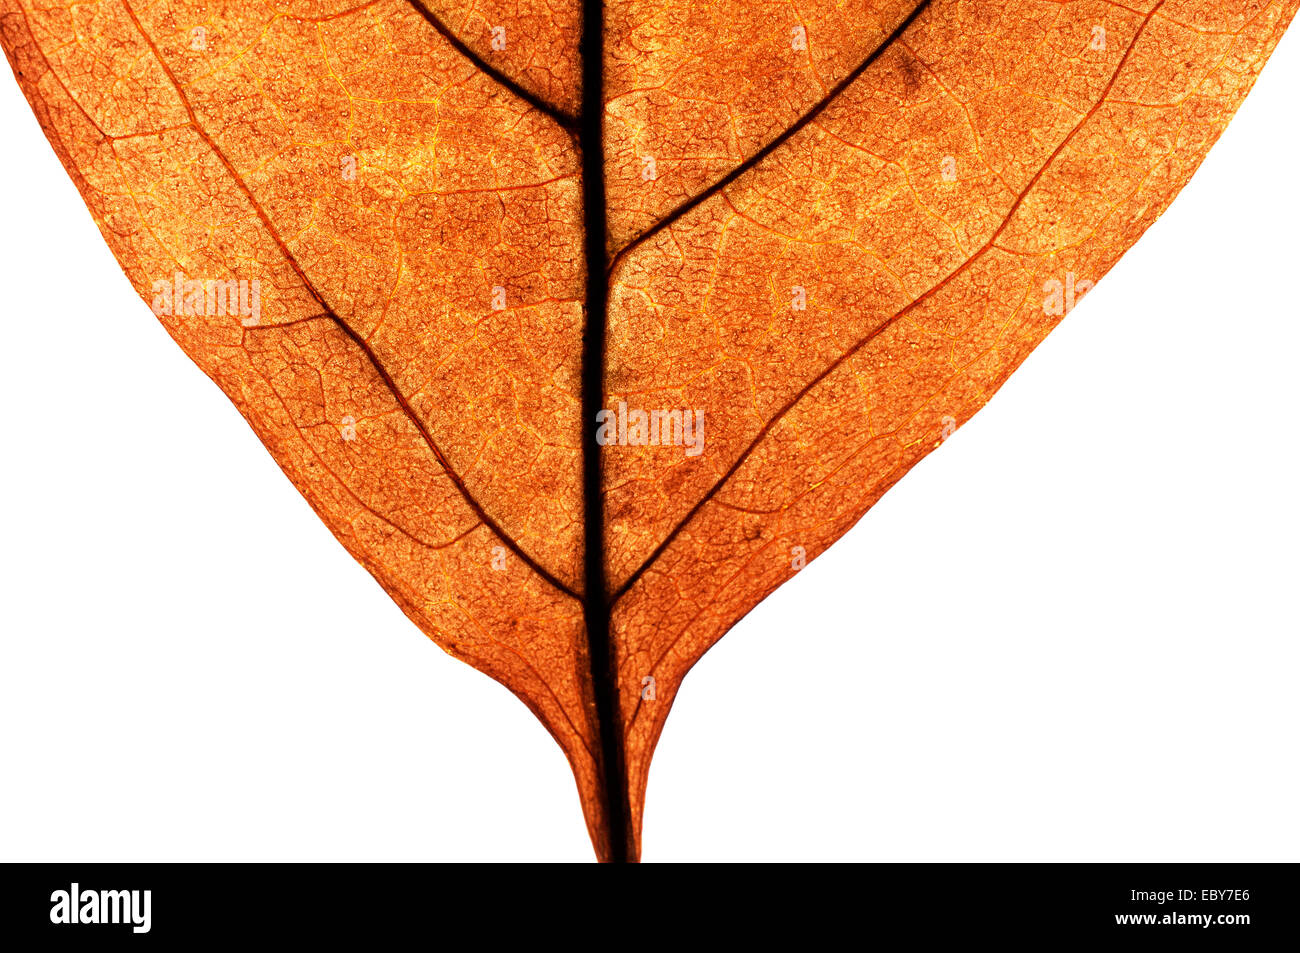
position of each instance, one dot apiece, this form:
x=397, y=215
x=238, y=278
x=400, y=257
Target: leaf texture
x=832, y=230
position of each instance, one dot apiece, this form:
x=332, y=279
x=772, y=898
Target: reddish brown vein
x=883, y=326
x=343, y=325
x=816, y=110
x=566, y=120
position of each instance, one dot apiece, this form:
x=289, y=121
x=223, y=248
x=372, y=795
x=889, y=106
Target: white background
x=1069, y=634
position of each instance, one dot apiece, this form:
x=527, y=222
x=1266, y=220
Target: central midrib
x=616, y=809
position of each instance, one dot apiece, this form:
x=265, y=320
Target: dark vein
x=343, y=325
x=433, y=446
x=776, y=143
x=883, y=326
x=602, y=654
x=566, y=120
x=377, y=570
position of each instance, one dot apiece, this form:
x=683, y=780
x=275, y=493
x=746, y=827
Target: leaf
x=825, y=236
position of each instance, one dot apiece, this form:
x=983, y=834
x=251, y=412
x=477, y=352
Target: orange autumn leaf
x=584, y=327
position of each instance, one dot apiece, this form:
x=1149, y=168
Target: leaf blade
x=416, y=369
